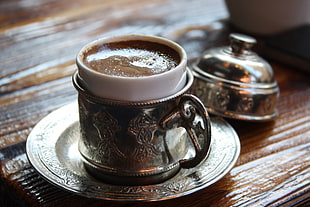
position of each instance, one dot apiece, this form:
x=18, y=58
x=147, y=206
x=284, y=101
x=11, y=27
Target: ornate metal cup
x=139, y=143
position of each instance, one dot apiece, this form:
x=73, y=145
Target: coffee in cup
x=146, y=128
x=132, y=67
x=132, y=58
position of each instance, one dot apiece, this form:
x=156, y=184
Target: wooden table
x=39, y=41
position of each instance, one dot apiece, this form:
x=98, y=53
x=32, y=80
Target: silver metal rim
x=52, y=150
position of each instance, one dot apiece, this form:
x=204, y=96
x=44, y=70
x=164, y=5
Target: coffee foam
x=130, y=59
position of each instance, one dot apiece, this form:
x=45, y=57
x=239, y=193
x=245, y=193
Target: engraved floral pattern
x=222, y=98
x=245, y=104
x=201, y=89
x=106, y=126
x=68, y=174
x=142, y=128
x=219, y=97
x=269, y=104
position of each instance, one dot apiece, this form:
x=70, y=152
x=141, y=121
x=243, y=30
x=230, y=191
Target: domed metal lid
x=246, y=79
x=236, y=63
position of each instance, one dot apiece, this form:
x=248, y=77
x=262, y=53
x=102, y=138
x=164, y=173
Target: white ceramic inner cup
x=142, y=88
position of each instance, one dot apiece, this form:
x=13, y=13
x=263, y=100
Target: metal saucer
x=52, y=150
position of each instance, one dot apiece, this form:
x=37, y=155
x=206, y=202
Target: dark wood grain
x=39, y=41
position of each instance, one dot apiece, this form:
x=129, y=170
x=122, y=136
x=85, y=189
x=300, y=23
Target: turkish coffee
x=132, y=58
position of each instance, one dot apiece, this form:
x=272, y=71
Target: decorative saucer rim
x=52, y=150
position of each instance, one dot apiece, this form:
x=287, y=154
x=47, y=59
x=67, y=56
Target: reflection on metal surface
x=139, y=143
x=235, y=82
x=53, y=152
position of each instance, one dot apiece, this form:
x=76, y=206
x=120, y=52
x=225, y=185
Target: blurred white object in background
x=265, y=17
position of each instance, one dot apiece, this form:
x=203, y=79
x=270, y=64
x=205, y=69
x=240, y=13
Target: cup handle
x=192, y=115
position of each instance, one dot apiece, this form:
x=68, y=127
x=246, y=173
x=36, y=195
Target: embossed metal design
x=195, y=120
x=222, y=98
x=52, y=149
x=107, y=126
x=126, y=142
x=235, y=82
x=142, y=128
x=245, y=104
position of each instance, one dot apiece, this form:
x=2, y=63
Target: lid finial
x=240, y=43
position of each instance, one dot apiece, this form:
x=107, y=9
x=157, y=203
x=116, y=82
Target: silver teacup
x=146, y=142
x=138, y=130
